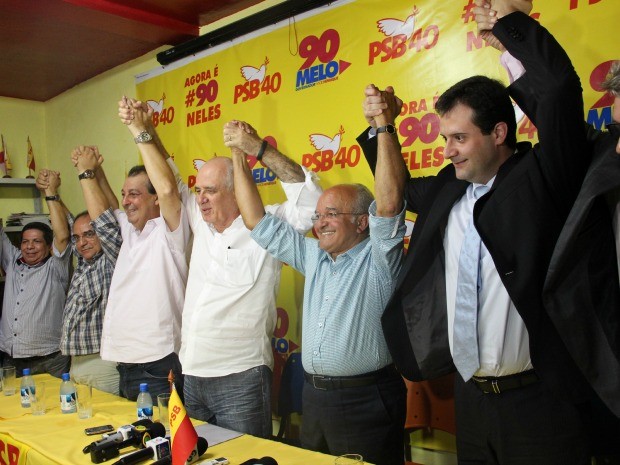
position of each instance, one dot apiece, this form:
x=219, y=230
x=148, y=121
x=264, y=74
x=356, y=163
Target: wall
x=18, y=120
x=88, y=115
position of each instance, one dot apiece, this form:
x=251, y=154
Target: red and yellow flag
x=2, y=162
x=30, y=161
x=182, y=433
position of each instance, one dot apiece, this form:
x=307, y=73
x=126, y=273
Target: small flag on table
x=182, y=433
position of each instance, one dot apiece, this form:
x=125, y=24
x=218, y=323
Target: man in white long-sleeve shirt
x=230, y=303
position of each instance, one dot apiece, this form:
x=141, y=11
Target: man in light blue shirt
x=354, y=399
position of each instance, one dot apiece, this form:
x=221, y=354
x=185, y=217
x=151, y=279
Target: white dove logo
x=157, y=106
x=198, y=162
x=255, y=74
x=394, y=27
x=519, y=114
x=323, y=142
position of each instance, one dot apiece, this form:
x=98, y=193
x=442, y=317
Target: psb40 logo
x=330, y=152
x=161, y=114
x=257, y=82
x=401, y=36
x=324, y=50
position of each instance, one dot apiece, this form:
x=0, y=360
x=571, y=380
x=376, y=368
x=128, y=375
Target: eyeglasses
x=87, y=236
x=331, y=215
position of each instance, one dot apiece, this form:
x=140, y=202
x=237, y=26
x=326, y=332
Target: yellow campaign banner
x=300, y=83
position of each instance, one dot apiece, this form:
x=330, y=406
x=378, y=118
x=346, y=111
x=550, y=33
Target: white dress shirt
x=142, y=321
x=503, y=340
x=230, y=302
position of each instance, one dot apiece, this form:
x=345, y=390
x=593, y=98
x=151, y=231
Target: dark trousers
x=524, y=426
x=367, y=420
x=155, y=374
x=55, y=364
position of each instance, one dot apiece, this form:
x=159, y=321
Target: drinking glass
x=84, y=400
x=162, y=403
x=8, y=381
x=37, y=398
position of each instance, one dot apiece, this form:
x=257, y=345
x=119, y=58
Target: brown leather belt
x=328, y=383
x=497, y=385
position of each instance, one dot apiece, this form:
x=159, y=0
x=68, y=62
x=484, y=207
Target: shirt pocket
x=239, y=267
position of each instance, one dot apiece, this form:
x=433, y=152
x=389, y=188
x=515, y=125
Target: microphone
x=262, y=461
x=155, y=449
x=144, y=434
x=201, y=448
x=141, y=435
x=122, y=434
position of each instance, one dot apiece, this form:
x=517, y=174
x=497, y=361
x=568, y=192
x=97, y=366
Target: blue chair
x=289, y=399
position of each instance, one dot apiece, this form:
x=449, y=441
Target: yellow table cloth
x=57, y=438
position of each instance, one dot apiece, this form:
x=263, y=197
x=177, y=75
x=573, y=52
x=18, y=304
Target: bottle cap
x=65, y=376
x=144, y=387
x=26, y=371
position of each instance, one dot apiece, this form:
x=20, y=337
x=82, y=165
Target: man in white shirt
x=142, y=323
x=230, y=306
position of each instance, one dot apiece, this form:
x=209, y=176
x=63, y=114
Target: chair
x=289, y=398
x=430, y=405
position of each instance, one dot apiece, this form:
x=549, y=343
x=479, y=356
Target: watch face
x=144, y=136
x=88, y=174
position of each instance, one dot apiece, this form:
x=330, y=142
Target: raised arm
x=373, y=105
x=556, y=88
x=245, y=138
x=391, y=172
x=136, y=116
x=103, y=181
x=48, y=183
x=248, y=199
x=87, y=164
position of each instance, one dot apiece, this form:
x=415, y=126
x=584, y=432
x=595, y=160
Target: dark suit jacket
x=581, y=291
x=519, y=221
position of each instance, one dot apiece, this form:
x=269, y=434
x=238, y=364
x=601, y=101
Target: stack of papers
x=22, y=219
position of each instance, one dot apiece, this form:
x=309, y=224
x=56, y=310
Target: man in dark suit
x=527, y=401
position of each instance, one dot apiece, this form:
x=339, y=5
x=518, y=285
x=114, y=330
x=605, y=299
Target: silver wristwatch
x=144, y=136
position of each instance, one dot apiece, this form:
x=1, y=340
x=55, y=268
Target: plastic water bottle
x=27, y=387
x=144, y=403
x=67, y=395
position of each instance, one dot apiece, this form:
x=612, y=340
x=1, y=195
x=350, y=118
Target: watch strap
x=261, y=151
x=389, y=128
x=52, y=197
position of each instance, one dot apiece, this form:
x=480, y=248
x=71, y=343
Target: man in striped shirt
x=37, y=275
